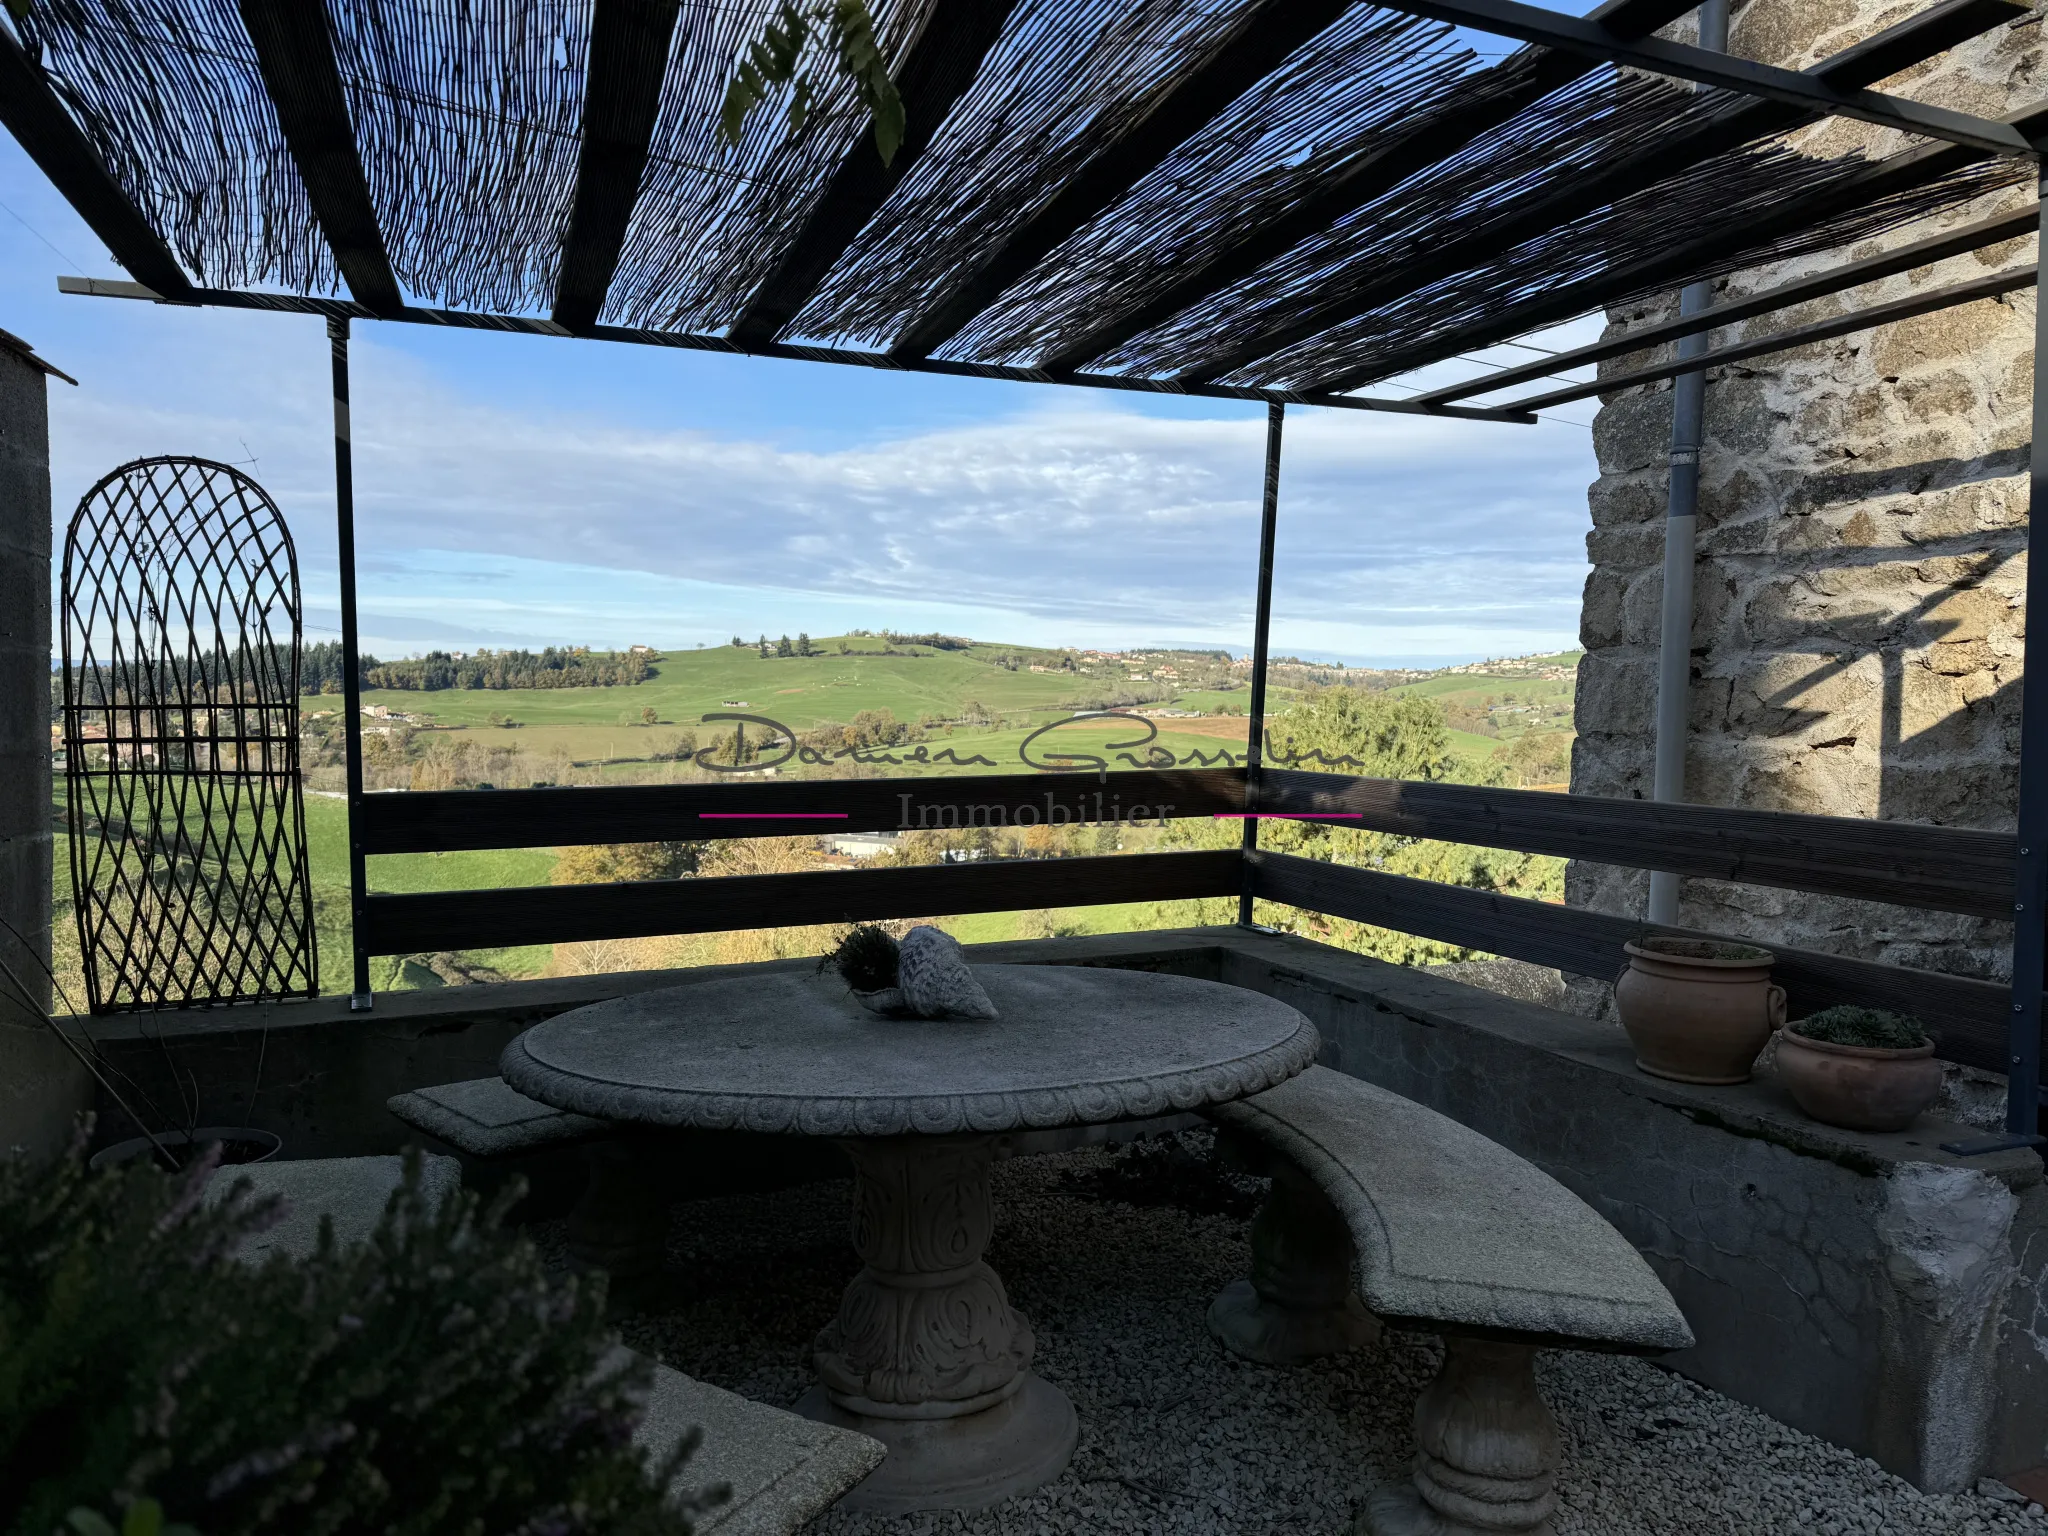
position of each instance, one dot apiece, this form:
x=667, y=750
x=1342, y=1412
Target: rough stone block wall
x=1860, y=586
x=41, y=1087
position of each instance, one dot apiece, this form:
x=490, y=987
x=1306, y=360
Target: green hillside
x=969, y=708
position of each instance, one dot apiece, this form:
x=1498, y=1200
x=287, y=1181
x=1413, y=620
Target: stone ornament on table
x=926, y=976
x=936, y=980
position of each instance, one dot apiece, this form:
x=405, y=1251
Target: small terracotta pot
x=1698, y=1010
x=1858, y=1087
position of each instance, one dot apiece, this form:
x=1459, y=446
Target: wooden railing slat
x=442, y=821
x=557, y=914
x=1968, y=1016
x=1942, y=869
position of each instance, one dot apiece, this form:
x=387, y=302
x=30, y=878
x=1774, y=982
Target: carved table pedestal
x=927, y=1354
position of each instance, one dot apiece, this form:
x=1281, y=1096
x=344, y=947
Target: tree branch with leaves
x=793, y=45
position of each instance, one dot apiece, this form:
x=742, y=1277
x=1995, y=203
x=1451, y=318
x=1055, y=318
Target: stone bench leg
x=621, y=1223
x=1486, y=1451
x=1300, y=1302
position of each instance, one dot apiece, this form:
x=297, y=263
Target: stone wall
x=41, y=1086
x=1860, y=585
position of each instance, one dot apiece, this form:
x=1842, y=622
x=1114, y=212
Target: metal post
x=2030, y=898
x=1276, y=415
x=1681, y=522
x=351, y=682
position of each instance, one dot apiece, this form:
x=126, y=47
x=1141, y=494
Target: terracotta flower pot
x=1858, y=1087
x=1698, y=1010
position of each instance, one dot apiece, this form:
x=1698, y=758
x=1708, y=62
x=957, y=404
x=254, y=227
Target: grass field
x=1507, y=704
x=802, y=692
x=599, y=731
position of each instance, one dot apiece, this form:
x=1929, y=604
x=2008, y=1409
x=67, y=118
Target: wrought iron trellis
x=181, y=642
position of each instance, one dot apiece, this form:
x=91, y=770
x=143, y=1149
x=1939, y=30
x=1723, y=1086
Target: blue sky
x=517, y=490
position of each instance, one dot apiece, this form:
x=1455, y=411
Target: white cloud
x=1083, y=518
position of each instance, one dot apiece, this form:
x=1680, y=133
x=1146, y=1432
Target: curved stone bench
x=783, y=1470
x=618, y=1224
x=351, y=1192
x=1446, y=1232
x=489, y=1118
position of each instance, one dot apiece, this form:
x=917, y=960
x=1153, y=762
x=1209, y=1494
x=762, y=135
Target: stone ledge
x=783, y=1470
x=412, y=1015
x=1759, y=1108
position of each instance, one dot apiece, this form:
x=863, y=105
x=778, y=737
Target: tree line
x=321, y=669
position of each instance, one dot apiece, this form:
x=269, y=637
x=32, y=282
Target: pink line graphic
x=1286, y=815
x=772, y=815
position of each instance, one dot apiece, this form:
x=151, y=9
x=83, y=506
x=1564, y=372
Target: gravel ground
x=1114, y=1256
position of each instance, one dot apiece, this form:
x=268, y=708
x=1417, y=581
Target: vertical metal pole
x=351, y=682
x=1681, y=523
x=2030, y=897
x=1262, y=622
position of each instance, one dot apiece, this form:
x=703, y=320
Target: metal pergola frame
x=628, y=54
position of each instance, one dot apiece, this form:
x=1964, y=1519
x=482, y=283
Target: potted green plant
x=1859, y=1068
x=1698, y=1010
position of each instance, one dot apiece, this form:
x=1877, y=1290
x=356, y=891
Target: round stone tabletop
x=795, y=1053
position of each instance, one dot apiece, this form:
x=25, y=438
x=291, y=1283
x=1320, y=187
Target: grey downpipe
x=1681, y=523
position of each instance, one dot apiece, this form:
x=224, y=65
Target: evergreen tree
x=738, y=643
x=764, y=647
x=784, y=648
x=803, y=645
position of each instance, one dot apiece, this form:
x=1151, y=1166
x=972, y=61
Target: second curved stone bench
x=1382, y=1209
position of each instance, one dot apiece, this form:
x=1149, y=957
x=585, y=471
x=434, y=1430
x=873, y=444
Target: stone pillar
x=1486, y=1451
x=41, y=1087
x=1301, y=1302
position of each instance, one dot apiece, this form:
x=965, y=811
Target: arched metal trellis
x=181, y=634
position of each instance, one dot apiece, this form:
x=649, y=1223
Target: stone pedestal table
x=926, y=1354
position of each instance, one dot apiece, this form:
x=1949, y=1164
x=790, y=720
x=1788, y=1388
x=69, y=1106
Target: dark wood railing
x=1969, y=1016
x=441, y=821
x=562, y=913
x=1940, y=869
x=1901, y=863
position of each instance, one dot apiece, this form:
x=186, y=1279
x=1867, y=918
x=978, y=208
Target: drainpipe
x=1674, y=655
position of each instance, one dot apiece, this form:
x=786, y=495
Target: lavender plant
x=435, y=1379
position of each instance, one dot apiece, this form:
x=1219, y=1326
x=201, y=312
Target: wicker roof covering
x=1297, y=194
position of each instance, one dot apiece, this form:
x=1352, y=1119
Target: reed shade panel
x=567, y=913
x=452, y=139
x=1968, y=1017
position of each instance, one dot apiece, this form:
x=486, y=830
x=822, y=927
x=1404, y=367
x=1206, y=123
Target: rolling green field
x=1507, y=705
x=976, y=715
x=603, y=730
x=801, y=692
